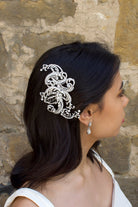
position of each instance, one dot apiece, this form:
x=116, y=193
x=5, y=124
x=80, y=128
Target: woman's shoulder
x=23, y=202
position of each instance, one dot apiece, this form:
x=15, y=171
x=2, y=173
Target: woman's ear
x=86, y=115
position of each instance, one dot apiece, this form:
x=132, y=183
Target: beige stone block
x=126, y=32
x=14, y=12
x=7, y=120
x=135, y=140
x=17, y=145
x=13, y=146
x=3, y=59
x=134, y=160
x=131, y=110
x=102, y=1
x=116, y=151
x=3, y=198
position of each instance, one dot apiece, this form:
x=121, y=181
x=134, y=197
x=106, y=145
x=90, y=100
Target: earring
x=89, y=129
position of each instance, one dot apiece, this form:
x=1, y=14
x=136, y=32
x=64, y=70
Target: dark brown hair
x=55, y=141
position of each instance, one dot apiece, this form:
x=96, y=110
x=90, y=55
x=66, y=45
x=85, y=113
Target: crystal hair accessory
x=57, y=93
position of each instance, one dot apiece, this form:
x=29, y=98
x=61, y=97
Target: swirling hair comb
x=57, y=93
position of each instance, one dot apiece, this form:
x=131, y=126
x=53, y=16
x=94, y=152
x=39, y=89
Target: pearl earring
x=89, y=129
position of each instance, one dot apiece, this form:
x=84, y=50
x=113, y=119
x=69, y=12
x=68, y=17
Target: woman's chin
x=116, y=133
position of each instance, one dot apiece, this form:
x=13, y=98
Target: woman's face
x=107, y=123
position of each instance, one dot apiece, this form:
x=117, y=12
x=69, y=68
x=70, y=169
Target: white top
x=118, y=197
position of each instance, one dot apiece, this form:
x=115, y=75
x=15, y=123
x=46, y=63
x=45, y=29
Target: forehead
x=110, y=95
x=117, y=82
x=116, y=85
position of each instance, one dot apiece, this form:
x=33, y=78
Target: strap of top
x=119, y=199
x=31, y=194
x=103, y=163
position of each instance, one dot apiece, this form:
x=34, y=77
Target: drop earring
x=89, y=129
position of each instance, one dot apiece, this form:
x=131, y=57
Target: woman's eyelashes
x=122, y=93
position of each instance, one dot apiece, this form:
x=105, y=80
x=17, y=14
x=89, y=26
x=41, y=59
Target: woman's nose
x=125, y=101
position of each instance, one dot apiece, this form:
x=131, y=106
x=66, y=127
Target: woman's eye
x=122, y=93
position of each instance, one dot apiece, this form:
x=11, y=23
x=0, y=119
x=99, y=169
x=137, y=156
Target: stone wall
x=30, y=27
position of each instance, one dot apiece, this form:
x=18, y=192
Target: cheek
x=108, y=122
x=112, y=110
x=113, y=115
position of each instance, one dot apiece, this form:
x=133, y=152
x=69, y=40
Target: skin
x=87, y=185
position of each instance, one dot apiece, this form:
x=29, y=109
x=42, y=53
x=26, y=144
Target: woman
x=74, y=98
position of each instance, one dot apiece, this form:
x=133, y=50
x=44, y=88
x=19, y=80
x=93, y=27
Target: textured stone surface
x=132, y=111
x=135, y=140
x=126, y=32
x=7, y=120
x=129, y=74
x=3, y=197
x=134, y=161
x=27, y=29
x=3, y=58
x=102, y=1
x=48, y=40
x=13, y=146
x=116, y=152
x=15, y=11
x=129, y=187
x=5, y=191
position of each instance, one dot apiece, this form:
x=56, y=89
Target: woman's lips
x=123, y=121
